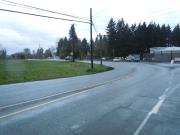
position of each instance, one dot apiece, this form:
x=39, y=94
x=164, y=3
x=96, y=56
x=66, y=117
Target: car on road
x=68, y=58
x=103, y=58
x=133, y=58
x=117, y=59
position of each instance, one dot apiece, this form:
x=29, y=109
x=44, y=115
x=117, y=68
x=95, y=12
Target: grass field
x=12, y=71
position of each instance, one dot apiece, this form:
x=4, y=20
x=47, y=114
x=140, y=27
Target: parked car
x=103, y=58
x=68, y=58
x=129, y=58
x=117, y=59
x=133, y=58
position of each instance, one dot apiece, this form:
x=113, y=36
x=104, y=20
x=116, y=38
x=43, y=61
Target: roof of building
x=171, y=49
x=164, y=49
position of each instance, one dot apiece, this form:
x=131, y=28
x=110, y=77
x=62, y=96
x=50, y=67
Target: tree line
x=120, y=40
x=124, y=39
x=73, y=46
x=40, y=53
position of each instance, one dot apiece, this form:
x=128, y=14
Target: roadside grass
x=13, y=71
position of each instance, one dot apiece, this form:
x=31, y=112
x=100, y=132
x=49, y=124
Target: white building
x=164, y=49
x=163, y=54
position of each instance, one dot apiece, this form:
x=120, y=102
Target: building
x=165, y=54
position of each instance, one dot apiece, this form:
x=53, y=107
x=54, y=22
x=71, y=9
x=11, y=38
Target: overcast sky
x=21, y=31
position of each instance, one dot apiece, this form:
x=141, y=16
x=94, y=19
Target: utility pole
x=91, y=41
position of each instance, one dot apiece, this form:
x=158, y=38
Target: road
x=132, y=99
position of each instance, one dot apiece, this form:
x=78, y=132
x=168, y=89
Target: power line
x=32, y=7
x=95, y=28
x=8, y=4
x=50, y=11
x=51, y=17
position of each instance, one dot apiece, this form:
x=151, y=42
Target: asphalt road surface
x=132, y=99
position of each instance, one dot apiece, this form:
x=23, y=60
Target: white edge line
x=155, y=109
x=138, y=130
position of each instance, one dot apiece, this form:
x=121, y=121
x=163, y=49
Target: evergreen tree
x=120, y=34
x=111, y=34
x=47, y=53
x=73, y=40
x=27, y=53
x=165, y=34
x=39, y=53
x=176, y=35
x=3, y=53
x=105, y=46
x=64, y=48
x=141, y=39
x=84, y=48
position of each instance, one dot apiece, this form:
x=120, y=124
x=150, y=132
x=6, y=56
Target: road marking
x=61, y=98
x=74, y=127
x=142, y=124
x=46, y=97
x=164, y=93
x=33, y=107
x=68, y=92
x=156, y=108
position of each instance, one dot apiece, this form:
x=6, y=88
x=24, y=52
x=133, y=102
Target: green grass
x=13, y=71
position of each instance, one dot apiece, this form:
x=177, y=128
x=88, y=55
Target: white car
x=68, y=58
x=117, y=59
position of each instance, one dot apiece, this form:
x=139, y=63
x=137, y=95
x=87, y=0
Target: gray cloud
x=15, y=36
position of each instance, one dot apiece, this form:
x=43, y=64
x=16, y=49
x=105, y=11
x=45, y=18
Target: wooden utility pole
x=91, y=41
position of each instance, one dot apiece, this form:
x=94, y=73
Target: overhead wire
x=46, y=10
x=51, y=17
x=9, y=4
x=95, y=28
